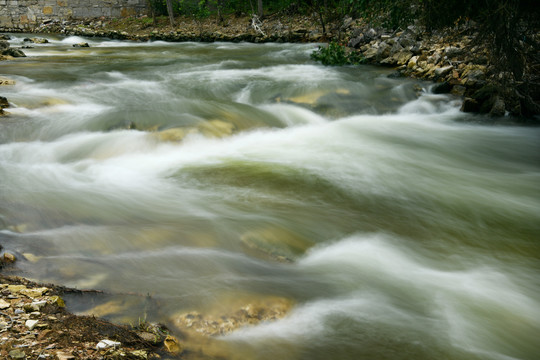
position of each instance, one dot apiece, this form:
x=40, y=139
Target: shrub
x=335, y=55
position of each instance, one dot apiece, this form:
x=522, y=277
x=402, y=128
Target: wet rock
x=172, y=345
x=233, y=316
x=458, y=90
x=499, y=107
x=4, y=45
x=9, y=258
x=14, y=53
x=31, y=257
x=36, y=40
x=5, y=37
x=216, y=128
x=81, y=45
x=470, y=105
x=4, y=103
x=174, y=134
x=57, y=301
x=442, y=88
x=6, y=82
x=275, y=243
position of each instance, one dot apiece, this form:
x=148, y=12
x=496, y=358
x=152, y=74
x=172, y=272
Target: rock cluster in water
x=6, y=51
x=449, y=58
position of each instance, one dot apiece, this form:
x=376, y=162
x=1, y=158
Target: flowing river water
x=204, y=175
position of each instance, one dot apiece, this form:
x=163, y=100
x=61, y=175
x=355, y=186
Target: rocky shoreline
x=34, y=324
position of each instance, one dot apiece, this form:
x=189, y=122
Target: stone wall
x=27, y=14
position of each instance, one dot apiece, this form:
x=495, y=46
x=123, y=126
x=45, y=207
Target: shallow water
x=399, y=227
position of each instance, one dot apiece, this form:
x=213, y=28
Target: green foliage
x=335, y=55
x=201, y=10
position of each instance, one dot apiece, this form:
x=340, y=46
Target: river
x=214, y=175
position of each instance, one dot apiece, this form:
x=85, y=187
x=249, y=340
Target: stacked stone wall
x=28, y=14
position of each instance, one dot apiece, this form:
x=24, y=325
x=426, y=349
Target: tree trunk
x=170, y=11
x=259, y=9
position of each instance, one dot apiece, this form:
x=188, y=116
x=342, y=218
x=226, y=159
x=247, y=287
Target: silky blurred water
x=398, y=227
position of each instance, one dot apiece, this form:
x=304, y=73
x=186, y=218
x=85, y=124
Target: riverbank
x=452, y=57
x=34, y=324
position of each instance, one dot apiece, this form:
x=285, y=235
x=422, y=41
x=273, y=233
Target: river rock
x=173, y=134
x=4, y=45
x=81, y=45
x=442, y=88
x=275, y=243
x=172, y=345
x=36, y=40
x=231, y=316
x=9, y=258
x=216, y=128
x=499, y=107
x=4, y=103
x=470, y=105
x=14, y=52
x=4, y=37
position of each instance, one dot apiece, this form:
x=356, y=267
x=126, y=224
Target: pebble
x=31, y=324
x=4, y=304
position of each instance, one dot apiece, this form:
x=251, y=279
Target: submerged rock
x=172, y=345
x=230, y=316
x=211, y=128
x=275, y=243
x=6, y=82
